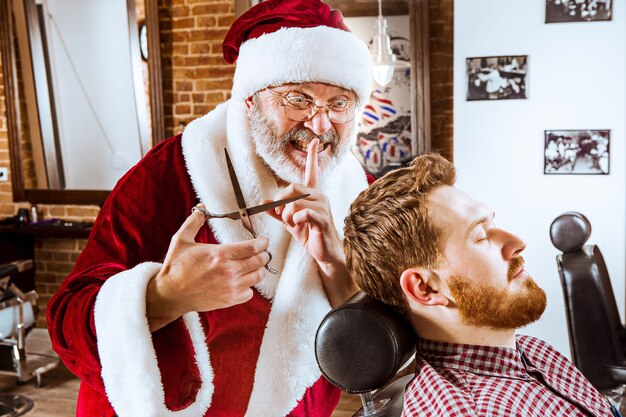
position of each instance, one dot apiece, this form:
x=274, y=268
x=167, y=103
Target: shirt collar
x=482, y=360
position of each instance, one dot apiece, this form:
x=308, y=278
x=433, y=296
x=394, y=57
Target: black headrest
x=361, y=344
x=570, y=231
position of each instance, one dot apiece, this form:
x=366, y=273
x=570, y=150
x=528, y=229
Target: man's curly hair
x=388, y=229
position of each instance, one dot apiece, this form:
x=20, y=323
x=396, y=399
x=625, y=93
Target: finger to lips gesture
x=309, y=220
x=203, y=277
x=312, y=169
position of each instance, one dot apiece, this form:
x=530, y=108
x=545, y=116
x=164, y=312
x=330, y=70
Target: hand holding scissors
x=310, y=222
x=244, y=212
x=203, y=277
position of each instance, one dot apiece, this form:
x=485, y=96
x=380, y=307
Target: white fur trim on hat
x=130, y=371
x=299, y=55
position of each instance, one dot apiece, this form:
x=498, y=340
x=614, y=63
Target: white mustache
x=298, y=133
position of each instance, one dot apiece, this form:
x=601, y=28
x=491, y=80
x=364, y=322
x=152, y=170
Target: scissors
x=244, y=212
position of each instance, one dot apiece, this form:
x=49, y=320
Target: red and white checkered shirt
x=533, y=380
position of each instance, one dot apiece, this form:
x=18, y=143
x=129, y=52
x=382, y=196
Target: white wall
x=576, y=80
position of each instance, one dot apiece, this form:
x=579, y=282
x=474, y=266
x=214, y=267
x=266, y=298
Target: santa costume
x=254, y=359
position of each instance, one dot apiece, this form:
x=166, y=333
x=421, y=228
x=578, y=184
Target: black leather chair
x=360, y=346
x=595, y=329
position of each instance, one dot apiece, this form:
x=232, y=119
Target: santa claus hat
x=296, y=41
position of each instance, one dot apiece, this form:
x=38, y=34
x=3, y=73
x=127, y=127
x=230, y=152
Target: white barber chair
x=25, y=351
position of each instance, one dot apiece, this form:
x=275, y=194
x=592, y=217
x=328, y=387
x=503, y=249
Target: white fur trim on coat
x=286, y=366
x=130, y=371
x=297, y=55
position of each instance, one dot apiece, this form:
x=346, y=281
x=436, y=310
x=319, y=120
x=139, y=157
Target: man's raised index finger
x=311, y=171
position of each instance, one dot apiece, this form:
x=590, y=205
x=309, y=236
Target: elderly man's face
x=486, y=275
x=282, y=143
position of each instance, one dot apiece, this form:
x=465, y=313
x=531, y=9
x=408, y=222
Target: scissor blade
x=274, y=204
x=241, y=203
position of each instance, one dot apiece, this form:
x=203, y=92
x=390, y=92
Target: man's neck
x=455, y=331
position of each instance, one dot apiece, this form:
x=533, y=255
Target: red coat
x=130, y=236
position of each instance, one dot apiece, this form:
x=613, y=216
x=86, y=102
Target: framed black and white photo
x=496, y=77
x=559, y=11
x=576, y=152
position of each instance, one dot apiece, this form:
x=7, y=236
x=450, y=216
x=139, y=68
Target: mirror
x=375, y=155
x=82, y=105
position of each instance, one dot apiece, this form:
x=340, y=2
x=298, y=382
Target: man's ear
x=421, y=286
x=249, y=105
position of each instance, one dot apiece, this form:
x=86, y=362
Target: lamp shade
x=384, y=60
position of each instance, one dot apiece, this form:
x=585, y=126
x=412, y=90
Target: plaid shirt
x=533, y=380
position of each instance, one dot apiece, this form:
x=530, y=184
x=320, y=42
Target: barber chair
x=25, y=351
x=359, y=347
x=596, y=333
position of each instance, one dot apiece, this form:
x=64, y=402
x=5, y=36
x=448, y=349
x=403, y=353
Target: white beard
x=271, y=148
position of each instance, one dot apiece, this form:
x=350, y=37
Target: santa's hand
x=203, y=277
x=310, y=220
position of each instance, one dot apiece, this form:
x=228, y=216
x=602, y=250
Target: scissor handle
x=267, y=265
x=209, y=215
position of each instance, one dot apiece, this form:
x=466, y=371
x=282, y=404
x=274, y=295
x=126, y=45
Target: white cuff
x=130, y=371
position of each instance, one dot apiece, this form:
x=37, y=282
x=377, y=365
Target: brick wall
x=441, y=13
x=55, y=259
x=195, y=76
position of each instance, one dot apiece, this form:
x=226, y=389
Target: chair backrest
x=594, y=325
x=10, y=317
x=12, y=299
x=361, y=344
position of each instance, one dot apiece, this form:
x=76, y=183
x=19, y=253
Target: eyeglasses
x=299, y=109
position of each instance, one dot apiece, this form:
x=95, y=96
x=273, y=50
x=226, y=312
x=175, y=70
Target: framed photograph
x=496, y=77
x=576, y=152
x=559, y=11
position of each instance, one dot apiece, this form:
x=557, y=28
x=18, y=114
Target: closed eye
x=481, y=235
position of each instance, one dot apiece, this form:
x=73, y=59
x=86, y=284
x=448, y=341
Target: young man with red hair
x=424, y=247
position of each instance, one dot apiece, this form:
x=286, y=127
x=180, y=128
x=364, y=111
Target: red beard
x=485, y=305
